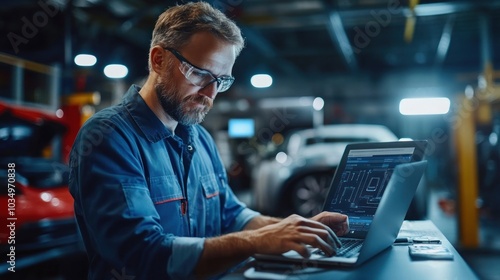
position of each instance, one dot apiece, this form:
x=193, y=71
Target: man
x=151, y=193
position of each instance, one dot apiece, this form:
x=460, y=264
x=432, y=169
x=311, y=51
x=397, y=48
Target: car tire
x=307, y=193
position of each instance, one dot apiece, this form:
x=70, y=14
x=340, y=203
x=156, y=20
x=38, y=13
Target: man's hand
x=267, y=235
x=296, y=232
x=339, y=223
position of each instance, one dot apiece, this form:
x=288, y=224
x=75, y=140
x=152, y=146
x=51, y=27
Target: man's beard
x=179, y=108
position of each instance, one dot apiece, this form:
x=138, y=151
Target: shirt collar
x=152, y=128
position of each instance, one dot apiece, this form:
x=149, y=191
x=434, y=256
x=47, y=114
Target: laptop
x=374, y=185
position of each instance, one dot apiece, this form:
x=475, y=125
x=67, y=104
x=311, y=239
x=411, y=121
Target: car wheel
x=308, y=193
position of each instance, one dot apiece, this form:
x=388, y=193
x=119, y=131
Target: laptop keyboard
x=350, y=247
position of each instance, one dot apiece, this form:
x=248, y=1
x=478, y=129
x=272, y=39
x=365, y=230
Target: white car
x=296, y=179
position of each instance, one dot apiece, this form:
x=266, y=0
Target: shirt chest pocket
x=211, y=199
x=166, y=194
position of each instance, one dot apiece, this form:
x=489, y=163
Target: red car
x=36, y=206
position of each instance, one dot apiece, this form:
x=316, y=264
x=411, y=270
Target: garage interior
x=358, y=59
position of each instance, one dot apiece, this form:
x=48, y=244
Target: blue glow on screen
x=241, y=128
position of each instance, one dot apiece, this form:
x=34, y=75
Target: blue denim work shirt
x=145, y=198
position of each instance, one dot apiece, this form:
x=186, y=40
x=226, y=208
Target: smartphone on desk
x=426, y=240
x=430, y=251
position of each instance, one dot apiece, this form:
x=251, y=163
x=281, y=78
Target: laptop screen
x=361, y=179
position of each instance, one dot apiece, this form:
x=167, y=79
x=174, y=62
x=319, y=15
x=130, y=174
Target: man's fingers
x=298, y=233
x=328, y=236
x=331, y=237
x=338, y=222
x=314, y=240
x=301, y=249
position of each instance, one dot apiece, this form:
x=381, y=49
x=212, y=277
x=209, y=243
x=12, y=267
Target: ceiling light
x=424, y=106
x=318, y=103
x=261, y=80
x=281, y=157
x=115, y=71
x=85, y=60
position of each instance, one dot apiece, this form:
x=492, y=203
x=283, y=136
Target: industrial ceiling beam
x=444, y=42
x=268, y=51
x=356, y=16
x=339, y=37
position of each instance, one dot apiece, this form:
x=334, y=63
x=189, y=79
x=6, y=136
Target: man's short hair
x=177, y=24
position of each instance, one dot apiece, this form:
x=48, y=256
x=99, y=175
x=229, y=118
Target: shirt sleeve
x=115, y=212
x=235, y=214
x=185, y=249
x=243, y=218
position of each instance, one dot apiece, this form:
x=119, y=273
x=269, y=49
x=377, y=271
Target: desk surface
x=393, y=263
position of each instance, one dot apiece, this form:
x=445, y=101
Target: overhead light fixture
x=85, y=60
x=281, y=157
x=424, y=106
x=318, y=103
x=261, y=80
x=115, y=71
